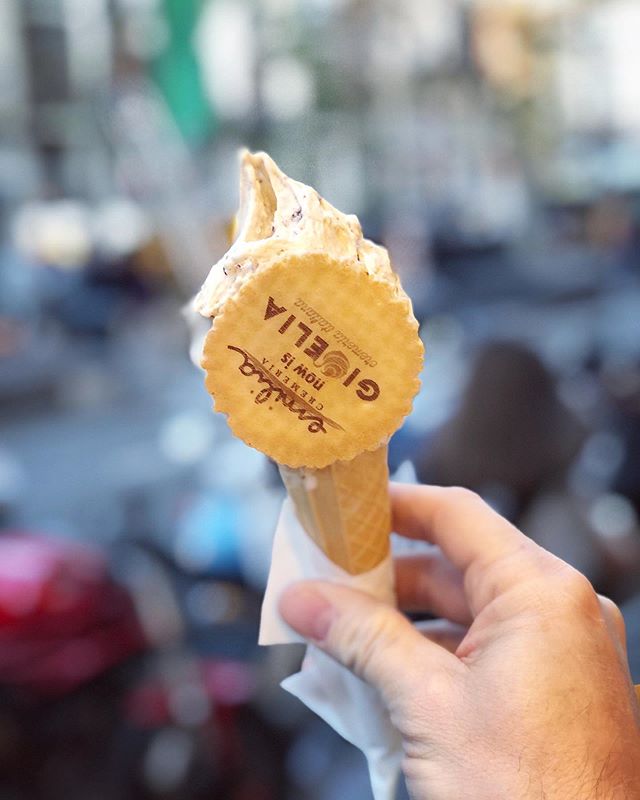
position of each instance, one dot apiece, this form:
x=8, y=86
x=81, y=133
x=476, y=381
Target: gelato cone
x=313, y=354
x=345, y=508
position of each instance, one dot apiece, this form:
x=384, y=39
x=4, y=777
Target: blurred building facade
x=464, y=111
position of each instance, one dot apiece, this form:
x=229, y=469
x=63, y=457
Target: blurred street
x=492, y=147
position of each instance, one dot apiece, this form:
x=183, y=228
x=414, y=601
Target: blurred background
x=492, y=145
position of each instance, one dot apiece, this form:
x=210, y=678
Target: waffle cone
x=345, y=508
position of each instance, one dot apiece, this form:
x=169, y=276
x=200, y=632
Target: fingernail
x=307, y=611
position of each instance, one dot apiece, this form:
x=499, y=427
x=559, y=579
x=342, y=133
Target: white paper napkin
x=346, y=703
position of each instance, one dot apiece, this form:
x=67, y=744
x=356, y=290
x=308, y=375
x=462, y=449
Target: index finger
x=473, y=536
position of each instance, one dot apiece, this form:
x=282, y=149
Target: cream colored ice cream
x=278, y=216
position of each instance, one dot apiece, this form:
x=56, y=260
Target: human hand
x=521, y=690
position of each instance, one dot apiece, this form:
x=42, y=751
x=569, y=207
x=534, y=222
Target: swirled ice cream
x=278, y=216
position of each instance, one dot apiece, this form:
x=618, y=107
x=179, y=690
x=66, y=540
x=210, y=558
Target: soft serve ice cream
x=278, y=215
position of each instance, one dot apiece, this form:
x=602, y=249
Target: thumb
x=370, y=638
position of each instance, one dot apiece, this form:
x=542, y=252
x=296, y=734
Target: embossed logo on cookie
x=333, y=364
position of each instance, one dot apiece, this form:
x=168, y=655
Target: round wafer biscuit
x=314, y=360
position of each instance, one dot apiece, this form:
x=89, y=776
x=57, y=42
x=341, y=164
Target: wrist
x=614, y=776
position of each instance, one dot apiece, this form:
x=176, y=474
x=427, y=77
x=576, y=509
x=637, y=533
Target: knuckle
x=614, y=614
x=435, y=698
x=363, y=646
x=580, y=593
x=463, y=496
x=454, y=500
x=608, y=605
x=459, y=498
x=618, y=619
x=438, y=687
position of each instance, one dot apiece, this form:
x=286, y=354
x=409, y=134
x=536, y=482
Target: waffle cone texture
x=345, y=508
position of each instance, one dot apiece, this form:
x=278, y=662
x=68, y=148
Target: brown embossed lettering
x=369, y=390
x=317, y=348
x=277, y=391
x=272, y=309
